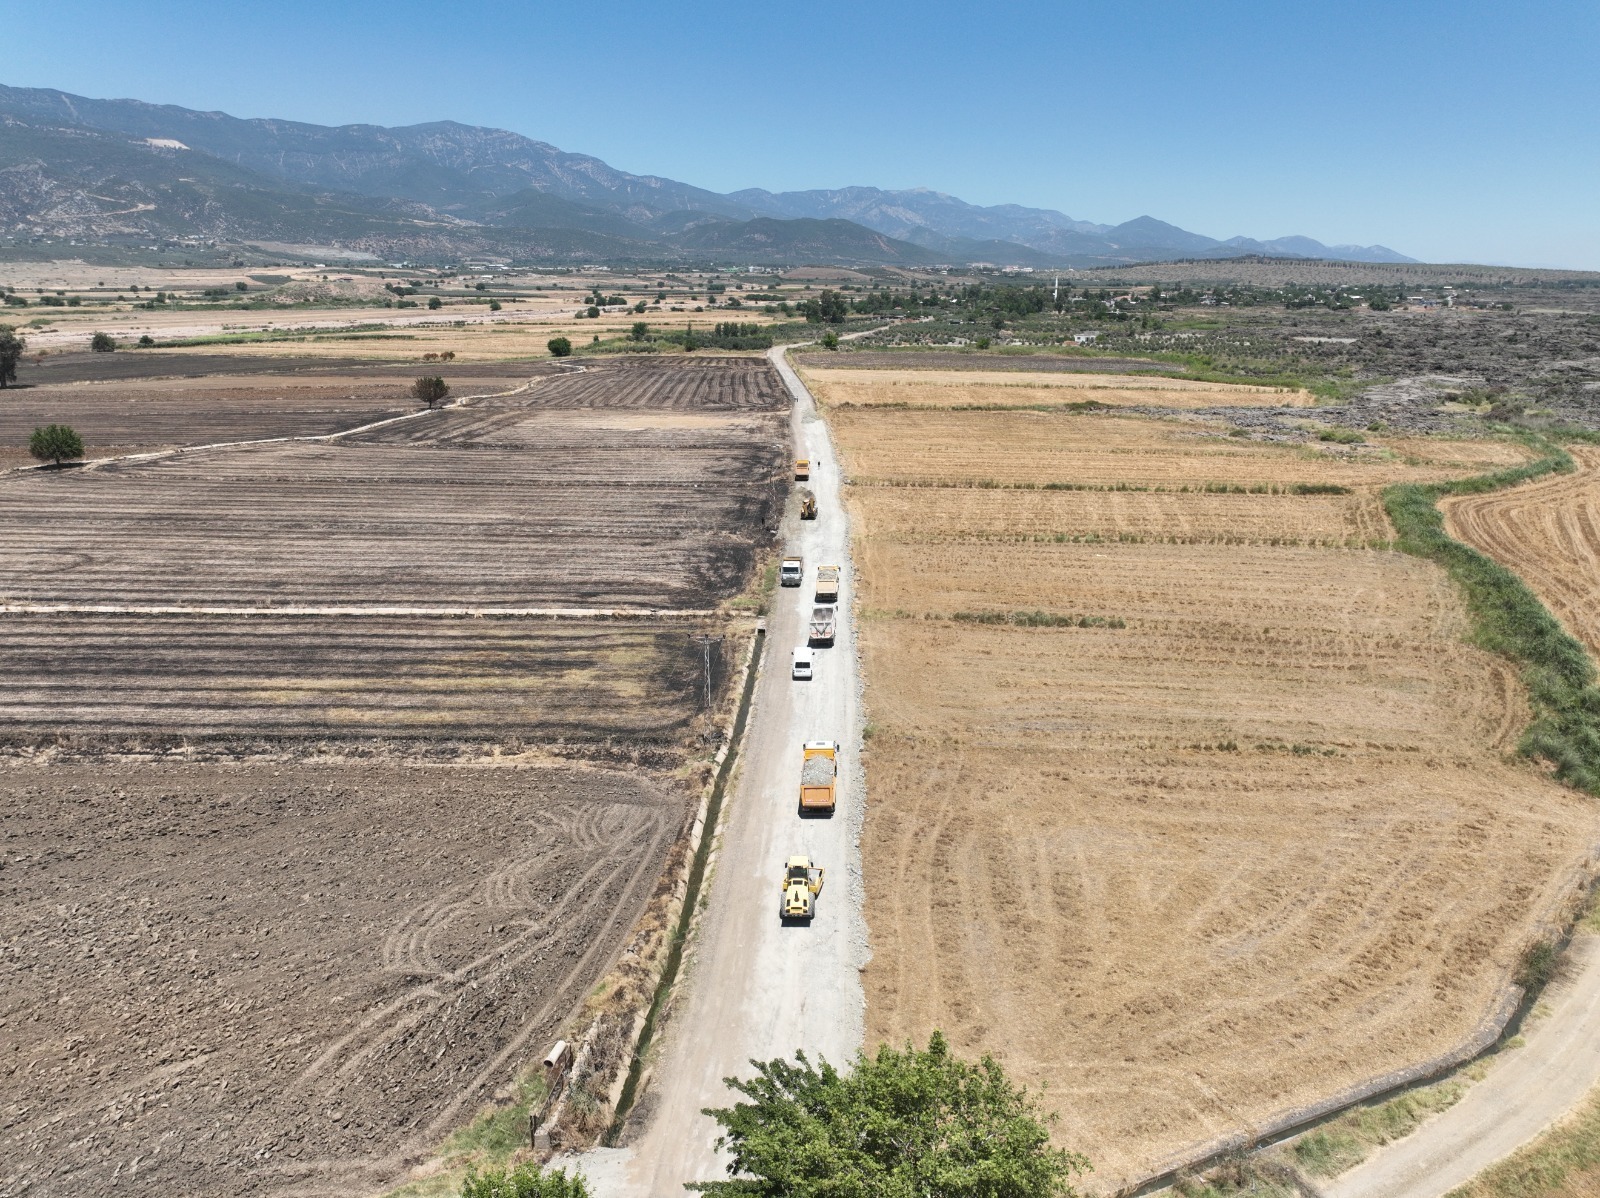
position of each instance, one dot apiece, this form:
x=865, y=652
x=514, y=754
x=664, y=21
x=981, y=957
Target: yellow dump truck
x=808, y=505
x=819, y=772
x=802, y=882
x=827, y=584
x=802, y=469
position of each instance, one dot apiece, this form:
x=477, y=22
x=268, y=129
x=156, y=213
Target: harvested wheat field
x=1082, y=449
x=977, y=388
x=273, y=978
x=1209, y=818
x=905, y=515
x=1548, y=532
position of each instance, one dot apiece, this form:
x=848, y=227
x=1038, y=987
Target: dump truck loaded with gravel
x=819, y=772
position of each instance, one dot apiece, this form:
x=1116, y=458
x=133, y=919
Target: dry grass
x=1042, y=448
x=962, y=388
x=1261, y=843
x=905, y=514
x=1562, y=1163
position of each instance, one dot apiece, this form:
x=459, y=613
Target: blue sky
x=1463, y=131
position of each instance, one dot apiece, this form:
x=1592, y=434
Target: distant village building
x=1085, y=338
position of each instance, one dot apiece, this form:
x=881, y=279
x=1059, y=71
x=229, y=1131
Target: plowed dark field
x=258, y=979
x=135, y=402
x=504, y=507
x=292, y=973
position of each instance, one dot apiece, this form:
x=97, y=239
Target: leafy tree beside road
x=902, y=1124
x=55, y=443
x=102, y=343
x=11, y=347
x=429, y=389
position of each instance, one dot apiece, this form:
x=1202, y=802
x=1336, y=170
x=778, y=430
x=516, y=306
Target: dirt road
x=1529, y=1089
x=756, y=989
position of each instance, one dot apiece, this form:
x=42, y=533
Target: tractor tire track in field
x=1547, y=532
x=296, y=977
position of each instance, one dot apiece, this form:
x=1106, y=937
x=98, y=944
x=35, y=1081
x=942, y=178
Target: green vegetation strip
x=691, y=897
x=1509, y=619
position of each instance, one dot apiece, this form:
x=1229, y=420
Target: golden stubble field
x=1038, y=449
x=1548, y=531
x=960, y=388
x=1261, y=843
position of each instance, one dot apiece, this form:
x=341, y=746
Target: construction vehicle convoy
x=827, y=584
x=819, y=772
x=791, y=572
x=808, y=505
x=802, y=882
x=823, y=622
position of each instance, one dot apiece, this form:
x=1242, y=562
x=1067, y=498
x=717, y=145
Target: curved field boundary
x=1508, y=619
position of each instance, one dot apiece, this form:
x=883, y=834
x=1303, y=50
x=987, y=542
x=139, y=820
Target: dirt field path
x=755, y=989
x=1528, y=1090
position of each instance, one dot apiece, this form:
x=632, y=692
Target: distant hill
x=79, y=167
x=927, y=217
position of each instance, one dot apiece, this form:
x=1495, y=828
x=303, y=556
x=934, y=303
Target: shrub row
x=1509, y=619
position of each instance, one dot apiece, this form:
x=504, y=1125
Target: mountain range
x=76, y=167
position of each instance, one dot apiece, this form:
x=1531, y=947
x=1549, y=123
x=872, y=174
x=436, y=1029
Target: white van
x=800, y=669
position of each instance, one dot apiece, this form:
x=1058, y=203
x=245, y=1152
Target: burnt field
x=263, y=683
x=506, y=507
x=133, y=403
x=277, y=979
x=331, y=578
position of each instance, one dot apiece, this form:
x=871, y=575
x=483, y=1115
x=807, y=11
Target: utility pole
x=705, y=641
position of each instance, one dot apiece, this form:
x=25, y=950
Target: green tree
x=55, y=443
x=640, y=307
x=901, y=1124
x=102, y=343
x=434, y=303
x=494, y=305
x=429, y=389
x=592, y=312
x=559, y=347
x=11, y=347
x=830, y=340
x=524, y=1181
x=639, y=332
x=146, y=341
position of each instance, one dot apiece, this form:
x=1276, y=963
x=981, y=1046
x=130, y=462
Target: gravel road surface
x=1529, y=1089
x=755, y=989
